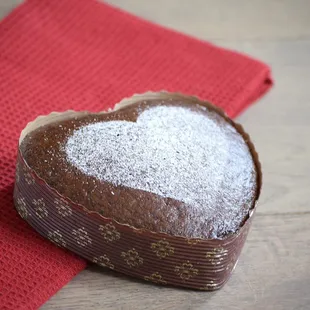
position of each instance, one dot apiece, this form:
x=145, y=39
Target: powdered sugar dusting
x=173, y=152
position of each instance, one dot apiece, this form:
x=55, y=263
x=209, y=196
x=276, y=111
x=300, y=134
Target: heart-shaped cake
x=162, y=175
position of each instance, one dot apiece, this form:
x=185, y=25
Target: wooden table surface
x=274, y=268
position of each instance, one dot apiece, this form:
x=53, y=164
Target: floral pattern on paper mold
x=132, y=258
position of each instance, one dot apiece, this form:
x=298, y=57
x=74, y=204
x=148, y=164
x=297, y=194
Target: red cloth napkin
x=81, y=54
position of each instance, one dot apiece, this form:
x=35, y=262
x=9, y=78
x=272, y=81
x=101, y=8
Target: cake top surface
x=189, y=154
x=170, y=151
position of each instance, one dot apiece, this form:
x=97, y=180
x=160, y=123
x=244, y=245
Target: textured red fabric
x=79, y=54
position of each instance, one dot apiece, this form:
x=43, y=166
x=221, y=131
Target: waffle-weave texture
x=82, y=54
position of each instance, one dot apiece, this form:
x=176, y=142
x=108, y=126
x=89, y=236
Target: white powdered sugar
x=171, y=151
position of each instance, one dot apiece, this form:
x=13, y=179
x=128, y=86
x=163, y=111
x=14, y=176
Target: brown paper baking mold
x=204, y=264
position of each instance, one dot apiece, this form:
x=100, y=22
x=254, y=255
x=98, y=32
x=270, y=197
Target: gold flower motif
x=162, y=248
x=28, y=177
x=216, y=255
x=40, y=208
x=156, y=278
x=109, y=232
x=193, y=241
x=81, y=237
x=21, y=208
x=62, y=207
x=17, y=173
x=132, y=258
x=103, y=261
x=209, y=286
x=56, y=237
x=186, y=271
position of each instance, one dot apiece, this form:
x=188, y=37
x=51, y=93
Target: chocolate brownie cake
x=167, y=166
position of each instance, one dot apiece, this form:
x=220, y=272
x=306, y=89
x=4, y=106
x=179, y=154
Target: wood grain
x=273, y=271
x=223, y=19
